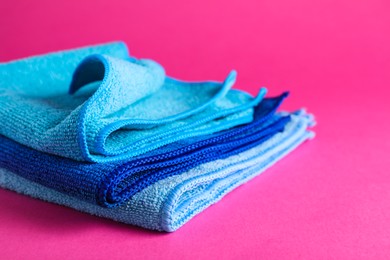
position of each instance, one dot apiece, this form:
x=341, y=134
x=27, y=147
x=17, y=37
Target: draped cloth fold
x=98, y=104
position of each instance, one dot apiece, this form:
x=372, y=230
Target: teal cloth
x=170, y=203
x=98, y=104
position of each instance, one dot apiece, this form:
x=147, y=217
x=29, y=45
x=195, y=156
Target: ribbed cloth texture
x=99, y=104
x=110, y=184
x=170, y=203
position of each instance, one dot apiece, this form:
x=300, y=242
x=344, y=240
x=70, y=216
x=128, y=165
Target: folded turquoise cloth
x=168, y=204
x=98, y=104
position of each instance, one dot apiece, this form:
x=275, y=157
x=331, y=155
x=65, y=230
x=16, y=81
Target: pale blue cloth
x=170, y=203
x=99, y=104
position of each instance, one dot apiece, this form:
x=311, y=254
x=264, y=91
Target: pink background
x=330, y=199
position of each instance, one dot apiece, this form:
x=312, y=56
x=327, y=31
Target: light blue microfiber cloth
x=98, y=104
x=170, y=203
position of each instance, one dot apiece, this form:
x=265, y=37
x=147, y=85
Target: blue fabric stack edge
x=110, y=184
x=170, y=203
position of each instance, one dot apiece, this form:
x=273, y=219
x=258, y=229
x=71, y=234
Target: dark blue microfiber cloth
x=110, y=184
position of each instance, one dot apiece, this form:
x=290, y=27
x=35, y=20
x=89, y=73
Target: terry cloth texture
x=98, y=104
x=168, y=204
x=110, y=184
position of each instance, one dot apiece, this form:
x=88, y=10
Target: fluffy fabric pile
x=105, y=133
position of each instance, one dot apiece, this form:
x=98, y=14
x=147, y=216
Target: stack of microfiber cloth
x=100, y=131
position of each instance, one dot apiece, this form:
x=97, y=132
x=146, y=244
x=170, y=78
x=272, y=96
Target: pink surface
x=329, y=199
